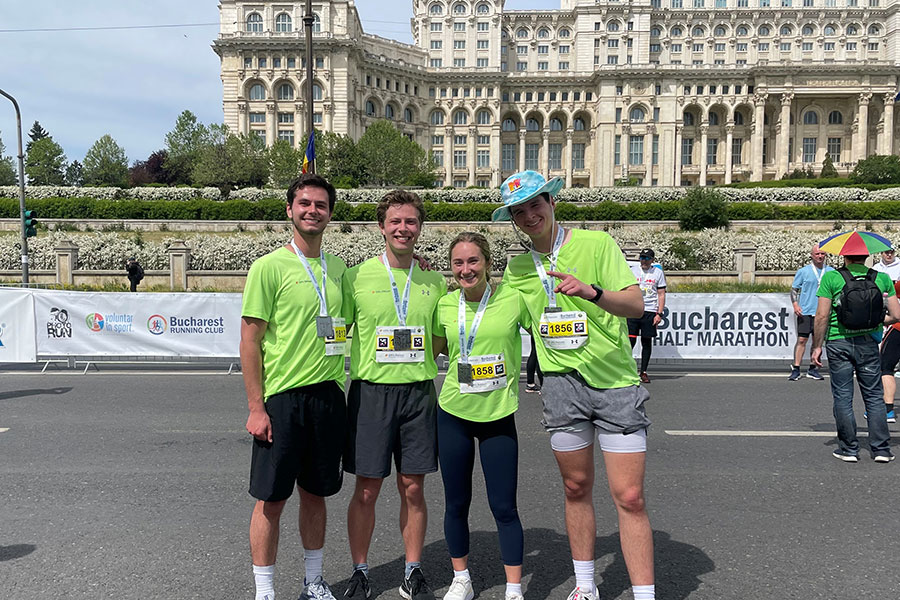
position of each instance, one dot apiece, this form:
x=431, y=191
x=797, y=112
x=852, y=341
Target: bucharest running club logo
x=156, y=324
x=95, y=321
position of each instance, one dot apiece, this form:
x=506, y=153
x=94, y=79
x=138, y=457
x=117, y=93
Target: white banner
x=137, y=324
x=752, y=326
x=17, y=343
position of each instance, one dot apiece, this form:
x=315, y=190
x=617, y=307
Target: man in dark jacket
x=135, y=272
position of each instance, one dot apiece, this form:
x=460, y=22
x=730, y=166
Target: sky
x=130, y=83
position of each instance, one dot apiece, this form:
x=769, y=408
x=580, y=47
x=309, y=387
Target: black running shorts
x=805, y=325
x=643, y=326
x=890, y=351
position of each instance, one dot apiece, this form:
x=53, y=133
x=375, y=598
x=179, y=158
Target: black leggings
x=646, y=350
x=498, y=446
x=532, y=365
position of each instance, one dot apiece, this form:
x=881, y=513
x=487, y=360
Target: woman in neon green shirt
x=478, y=401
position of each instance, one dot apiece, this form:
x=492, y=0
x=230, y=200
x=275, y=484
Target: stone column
x=648, y=162
x=568, y=158
x=756, y=144
x=678, y=132
x=862, y=135
x=784, y=135
x=179, y=263
x=472, y=154
x=704, y=137
x=299, y=125
x=729, y=138
x=327, y=116
x=242, y=117
x=597, y=157
x=448, y=155
x=521, y=150
x=745, y=262
x=271, y=125
x=887, y=139
x=545, y=152
x=496, y=155
x=66, y=262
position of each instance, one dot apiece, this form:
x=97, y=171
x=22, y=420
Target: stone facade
x=672, y=92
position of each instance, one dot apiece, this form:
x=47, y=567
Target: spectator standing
x=890, y=355
x=135, y=272
x=534, y=377
x=889, y=264
x=852, y=349
x=652, y=282
x=804, y=300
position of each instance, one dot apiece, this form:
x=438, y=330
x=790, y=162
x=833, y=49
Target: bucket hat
x=522, y=187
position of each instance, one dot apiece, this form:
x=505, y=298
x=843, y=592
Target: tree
x=152, y=170
x=35, y=133
x=7, y=168
x=338, y=159
x=391, y=158
x=702, y=208
x=877, y=169
x=106, y=164
x=231, y=161
x=184, y=144
x=45, y=163
x=75, y=174
x=828, y=170
x=284, y=162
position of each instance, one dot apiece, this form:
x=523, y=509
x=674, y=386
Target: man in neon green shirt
x=392, y=402
x=579, y=288
x=292, y=358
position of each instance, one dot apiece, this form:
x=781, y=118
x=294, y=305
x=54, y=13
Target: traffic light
x=30, y=223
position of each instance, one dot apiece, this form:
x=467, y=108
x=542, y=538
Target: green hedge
x=273, y=210
x=812, y=183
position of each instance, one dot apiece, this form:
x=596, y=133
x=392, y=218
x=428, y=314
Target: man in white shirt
x=652, y=282
x=889, y=264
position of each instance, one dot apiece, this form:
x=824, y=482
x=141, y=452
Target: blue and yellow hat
x=522, y=187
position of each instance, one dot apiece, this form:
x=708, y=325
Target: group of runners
x=572, y=290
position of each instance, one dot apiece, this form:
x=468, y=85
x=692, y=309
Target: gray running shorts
x=568, y=400
x=391, y=420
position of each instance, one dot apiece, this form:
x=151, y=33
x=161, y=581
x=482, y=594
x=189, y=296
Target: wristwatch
x=599, y=291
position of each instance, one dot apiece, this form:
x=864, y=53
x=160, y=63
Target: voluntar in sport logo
x=156, y=324
x=110, y=323
x=95, y=322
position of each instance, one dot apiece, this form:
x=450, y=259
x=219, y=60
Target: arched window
x=254, y=23
x=688, y=118
x=738, y=118
x=636, y=115
x=874, y=30
x=408, y=115
x=697, y=31
x=835, y=118
x=522, y=33
x=483, y=9
x=435, y=9
x=830, y=30
x=257, y=92
x=808, y=30
x=743, y=31
x=654, y=32
x=389, y=112
x=555, y=124
x=317, y=24
x=532, y=125
x=459, y=8
x=283, y=23
x=764, y=30
x=317, y=91
x=578, y=124
x=460, y=117
x=543, y=33
x=370, y=108
x=676, y=32
x=564, y=33
x=612, y=26
x=713, y=118
x=719, y=31
x=484, y=117
x=285, y=91
x=810, y=118
x=786, y=30
x=437, y=117
x=509, y=125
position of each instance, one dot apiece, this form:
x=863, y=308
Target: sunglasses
x=645, y=258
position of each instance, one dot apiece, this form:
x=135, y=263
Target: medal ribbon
x=401, y=305
x=465, y=345
x=546, y=280
x=320, y=292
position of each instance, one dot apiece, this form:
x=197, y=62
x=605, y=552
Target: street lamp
x=21, y=190
x=308, y=20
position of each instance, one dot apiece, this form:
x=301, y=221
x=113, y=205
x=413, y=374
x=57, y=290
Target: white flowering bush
x=167, y=193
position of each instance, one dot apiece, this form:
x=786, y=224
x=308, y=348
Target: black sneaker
x=415, y=588
x=358, y=586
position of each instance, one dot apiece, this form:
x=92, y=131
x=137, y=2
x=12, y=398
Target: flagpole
x=308, y=20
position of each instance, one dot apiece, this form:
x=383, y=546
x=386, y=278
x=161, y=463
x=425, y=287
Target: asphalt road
x=133, y=485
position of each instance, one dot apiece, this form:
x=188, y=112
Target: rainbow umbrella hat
x=855, y=243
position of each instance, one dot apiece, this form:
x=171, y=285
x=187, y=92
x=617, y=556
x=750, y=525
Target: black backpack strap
x=871, y=274
x=845, y=273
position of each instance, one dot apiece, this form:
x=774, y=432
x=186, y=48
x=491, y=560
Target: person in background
x=135, y=272
x=652, y=282
x=889, y=264
x=804, y=301
x=532, y=368
x=890, y=355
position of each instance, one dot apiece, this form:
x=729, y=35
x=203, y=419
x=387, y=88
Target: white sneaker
x=460, y=589
x=579, y=594
x=514, y=596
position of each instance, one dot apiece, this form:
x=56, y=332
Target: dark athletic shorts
x=890, y=351
x=805, y=326
x=309, y=426
x=643, y=326
x=396, y=420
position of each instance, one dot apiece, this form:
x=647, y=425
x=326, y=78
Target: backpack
x=861, y=303
x=140, y=273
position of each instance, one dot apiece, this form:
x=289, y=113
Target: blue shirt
x=807, y=281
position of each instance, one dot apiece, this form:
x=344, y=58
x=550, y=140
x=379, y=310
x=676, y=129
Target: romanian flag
x=309, y=158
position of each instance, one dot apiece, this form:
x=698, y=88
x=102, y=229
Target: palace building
x=672, y=92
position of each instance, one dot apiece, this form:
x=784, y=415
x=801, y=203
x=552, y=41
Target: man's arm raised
x=627, y=302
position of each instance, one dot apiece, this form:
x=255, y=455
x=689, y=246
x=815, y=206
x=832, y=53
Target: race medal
x=488, y=373
x=464, y=372
x=324, y=326
x=412, y=338
x=336, y=342
x=561, y=330
x=402, y=339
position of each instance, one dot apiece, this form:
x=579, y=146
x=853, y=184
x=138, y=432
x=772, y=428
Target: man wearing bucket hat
x=578, y=288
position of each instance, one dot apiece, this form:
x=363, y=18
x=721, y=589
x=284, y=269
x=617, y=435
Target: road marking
x=4, y=429
x=749, y=433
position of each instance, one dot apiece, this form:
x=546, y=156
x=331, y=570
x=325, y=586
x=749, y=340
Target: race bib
x=647, y=290
x=482, y=374
x=563, y=330
x=334, y=343
x=396, y=344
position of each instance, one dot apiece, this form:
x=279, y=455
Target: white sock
x=464, y=574
x=644, y=592
x=313, y=560
x=265, y=589
x=513, y=588
x=584, y=575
